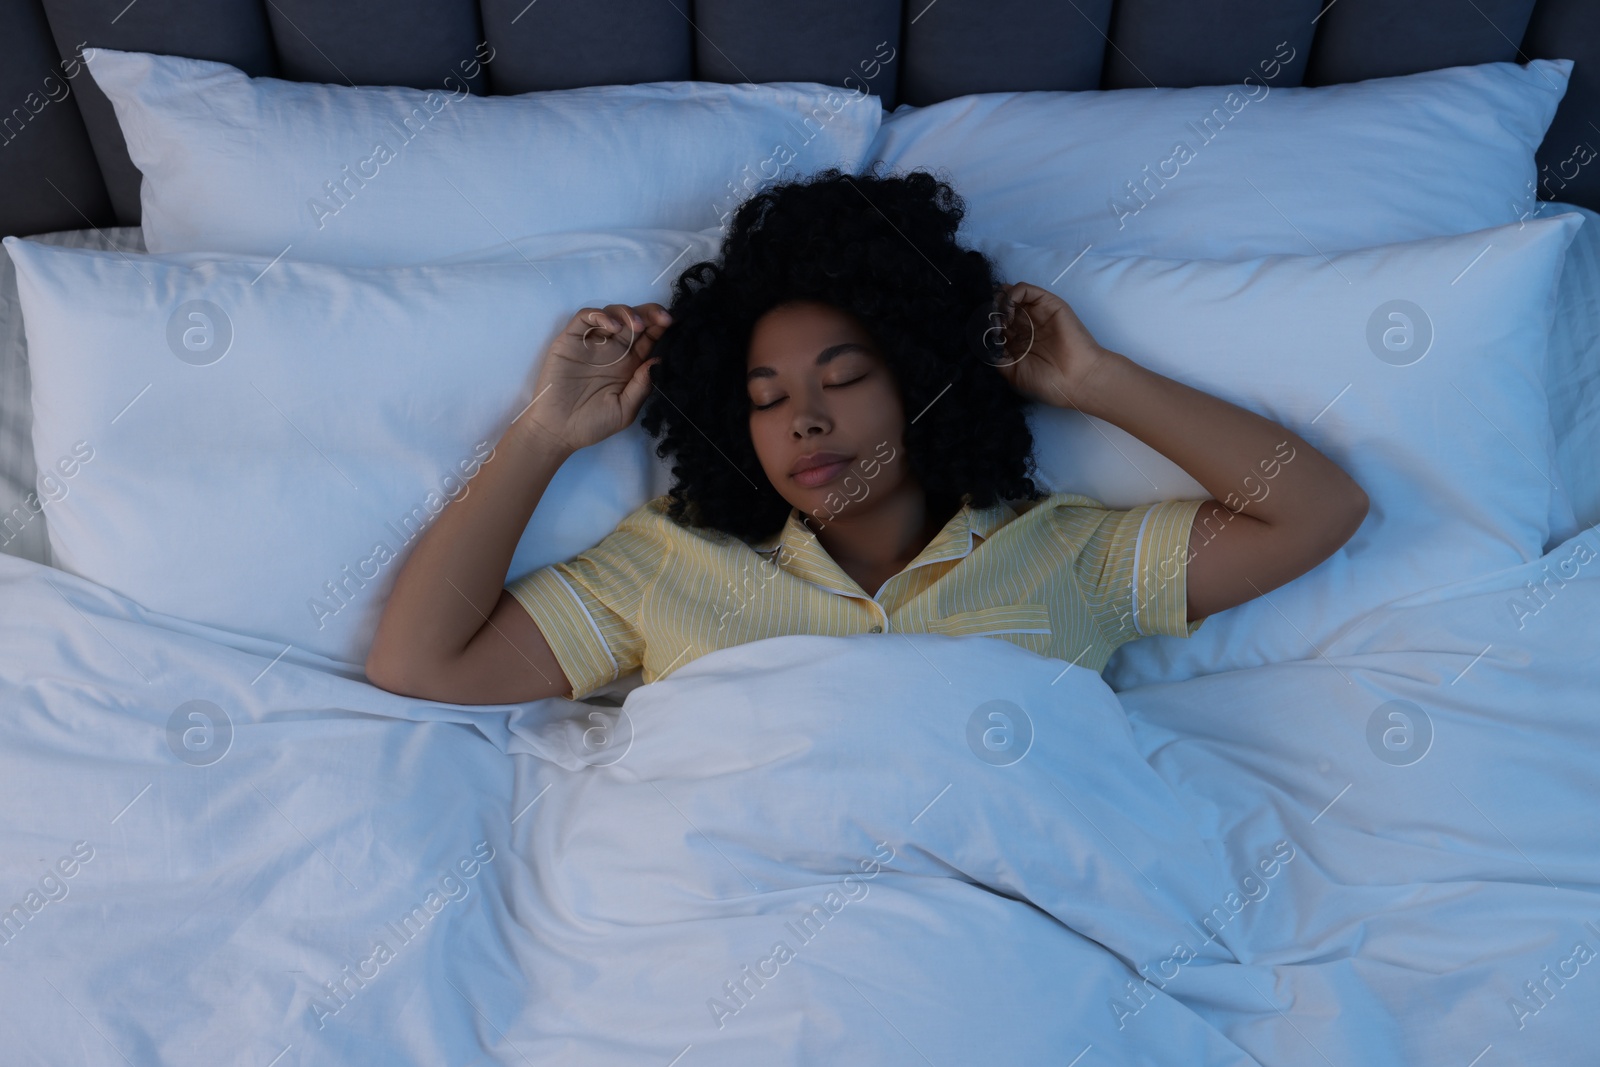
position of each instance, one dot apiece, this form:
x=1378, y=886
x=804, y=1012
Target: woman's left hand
x=1049, y=352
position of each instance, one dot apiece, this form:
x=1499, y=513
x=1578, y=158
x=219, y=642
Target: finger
x=636, y=390
x=612, y=319
x=660, y=320
x=627, y=319
x=644, y=343
x=1005, y=304
x=657, y=320
x=1029, y=302
x=590, y=319
x=1028, y=296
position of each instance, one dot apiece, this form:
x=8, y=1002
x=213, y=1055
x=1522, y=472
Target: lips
x=819, y=468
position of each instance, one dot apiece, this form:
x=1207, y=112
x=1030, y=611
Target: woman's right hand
x=596, y=374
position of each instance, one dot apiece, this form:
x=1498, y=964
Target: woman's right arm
x=450, y=631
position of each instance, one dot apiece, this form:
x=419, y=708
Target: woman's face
x=817, y=384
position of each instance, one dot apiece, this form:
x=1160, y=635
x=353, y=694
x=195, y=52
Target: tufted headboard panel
x=63, y=163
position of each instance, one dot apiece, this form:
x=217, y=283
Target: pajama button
x=877, y=629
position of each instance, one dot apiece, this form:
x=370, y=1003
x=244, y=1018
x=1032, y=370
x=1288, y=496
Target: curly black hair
x=883, y=249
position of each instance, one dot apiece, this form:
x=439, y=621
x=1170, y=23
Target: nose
x=811, y=416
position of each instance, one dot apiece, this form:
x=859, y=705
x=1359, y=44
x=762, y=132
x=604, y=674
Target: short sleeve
x=1133, y=567
x=588, y=608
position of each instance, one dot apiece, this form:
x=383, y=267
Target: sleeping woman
x=843, y=401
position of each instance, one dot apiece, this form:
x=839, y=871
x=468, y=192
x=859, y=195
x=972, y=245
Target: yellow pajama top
x=1056, y=576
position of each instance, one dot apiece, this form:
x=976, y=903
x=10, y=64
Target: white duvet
x=881, y=849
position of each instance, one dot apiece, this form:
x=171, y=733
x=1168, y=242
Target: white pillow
x=256, y=165
x=1453, y=447
x=1573, y=376
x=253, y=493
x=1237, y=171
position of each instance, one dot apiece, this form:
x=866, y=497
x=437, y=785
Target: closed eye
x=775, y=403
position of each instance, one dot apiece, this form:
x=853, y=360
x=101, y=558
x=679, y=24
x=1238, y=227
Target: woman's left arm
x=1279, y=507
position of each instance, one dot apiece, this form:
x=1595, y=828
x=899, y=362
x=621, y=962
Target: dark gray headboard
x=63, y=164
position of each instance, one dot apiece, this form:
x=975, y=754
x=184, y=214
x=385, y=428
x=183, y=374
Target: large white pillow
x=1417, y=367
x=373, y=175
x=262, y=468
x=1230, y=172
x=1574, y=371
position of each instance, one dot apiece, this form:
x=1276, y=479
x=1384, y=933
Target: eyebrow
x=822, y=357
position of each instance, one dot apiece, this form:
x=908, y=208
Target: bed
x=245, y=356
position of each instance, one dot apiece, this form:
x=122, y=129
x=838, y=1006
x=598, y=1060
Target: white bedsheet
x=628, y=866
